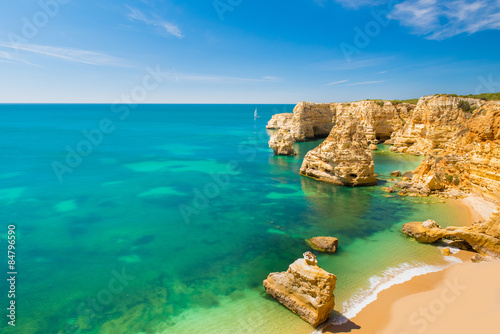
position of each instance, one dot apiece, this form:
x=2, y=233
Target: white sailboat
x=255, y=115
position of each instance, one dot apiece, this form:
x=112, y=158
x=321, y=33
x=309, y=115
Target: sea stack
x=344, y=158
x=305, y=288
x=282, y=143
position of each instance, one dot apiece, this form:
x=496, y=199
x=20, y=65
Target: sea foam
x=391, y=276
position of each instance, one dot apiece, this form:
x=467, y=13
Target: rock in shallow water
x=282, y=143
x=396, y=173
x=305, y=289
x=324, y=244
x=343, y=158
x=483, y=237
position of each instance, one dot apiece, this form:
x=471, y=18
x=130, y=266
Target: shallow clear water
x=172, y=220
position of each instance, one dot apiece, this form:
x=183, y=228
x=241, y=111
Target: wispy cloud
x=335, y=83
x=439, y=20
x=365, y=83
x=167, y=27
x=221, y=79
x=342, y=65
x=355, y=3
x=68, y=54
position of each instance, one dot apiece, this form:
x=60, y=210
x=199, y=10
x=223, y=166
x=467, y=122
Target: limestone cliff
x=379, y=119
x=280, y=121
x=311, y=120
x=343, y=158
x=315, y=120
x=304, y=288
x=282, y=143
x=434, y=122
x=471, y=160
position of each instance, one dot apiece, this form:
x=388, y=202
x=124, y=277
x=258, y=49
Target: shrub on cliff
x=464, y=106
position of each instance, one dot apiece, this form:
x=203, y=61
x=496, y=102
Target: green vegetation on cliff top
x=484, y=96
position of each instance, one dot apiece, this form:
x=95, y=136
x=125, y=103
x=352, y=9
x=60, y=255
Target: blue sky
x=247, y=51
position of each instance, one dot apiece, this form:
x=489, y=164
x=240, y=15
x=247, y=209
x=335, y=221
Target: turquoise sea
x=168, y=218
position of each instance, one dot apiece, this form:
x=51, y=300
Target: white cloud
x=215, y=78
x=439, y=20
x=343, y=65
x=10, y=57
x=335, y=83
x=68, y=54
x=356, y=3
x=365, y=83
x=168, y=27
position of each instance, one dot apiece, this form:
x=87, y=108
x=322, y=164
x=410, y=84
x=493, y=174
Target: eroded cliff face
x=344, y=158
x=471, y=160
x=433, y=123
x=311, y=120
x=379, y=119
x=315, y=120
x=280, y=121
x=282, y=142
x=305, y=288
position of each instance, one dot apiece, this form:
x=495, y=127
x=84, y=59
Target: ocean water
x=167, y=218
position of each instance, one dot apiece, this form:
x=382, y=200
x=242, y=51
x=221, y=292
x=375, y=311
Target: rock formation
x=305, y=289
x=323, y=244
x=470, y=160
x=280, y=121
x=435, y=121
x=379, y=119
x=343, y=158
x=282, y=143
x=483, y=237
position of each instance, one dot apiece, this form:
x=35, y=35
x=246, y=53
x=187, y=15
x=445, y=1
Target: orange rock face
x=305, y=289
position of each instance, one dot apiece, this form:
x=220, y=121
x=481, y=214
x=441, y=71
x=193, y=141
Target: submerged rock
x=389, y=190
x=305, y=289
x=343, y=158
x=396, y=173
x=282, y=143
x=324, y=244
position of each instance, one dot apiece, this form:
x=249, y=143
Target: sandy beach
x=464, y=298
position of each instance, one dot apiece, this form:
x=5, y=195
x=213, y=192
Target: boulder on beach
x=483, y=237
